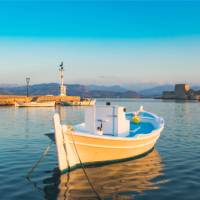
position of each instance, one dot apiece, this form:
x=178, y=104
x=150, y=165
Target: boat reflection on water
x=115, y=181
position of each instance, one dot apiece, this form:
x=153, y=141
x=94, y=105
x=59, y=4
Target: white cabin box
x=110, y=119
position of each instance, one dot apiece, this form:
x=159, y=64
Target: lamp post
x=27, y=85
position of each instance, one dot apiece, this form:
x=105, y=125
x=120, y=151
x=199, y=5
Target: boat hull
x=91, y=150
x=79, y=103
x=75, y=149
x=35, y=104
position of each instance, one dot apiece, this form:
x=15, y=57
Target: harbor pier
x=9, y=100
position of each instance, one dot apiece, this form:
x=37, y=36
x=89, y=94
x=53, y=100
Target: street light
x=27, y=85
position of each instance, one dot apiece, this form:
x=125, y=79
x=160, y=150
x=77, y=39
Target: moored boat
x=82, y=102
x=109, y=134
x=35, y=104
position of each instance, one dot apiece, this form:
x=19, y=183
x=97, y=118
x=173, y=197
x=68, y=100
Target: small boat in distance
x=36, y=104
x=82, y=102
x=109, y=134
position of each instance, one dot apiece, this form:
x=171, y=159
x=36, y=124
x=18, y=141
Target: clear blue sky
x=112, y=42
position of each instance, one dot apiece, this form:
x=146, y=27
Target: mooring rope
x=82, y=166
x=45, y=152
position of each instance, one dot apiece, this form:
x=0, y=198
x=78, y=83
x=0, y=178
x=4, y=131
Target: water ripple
x=169, y=172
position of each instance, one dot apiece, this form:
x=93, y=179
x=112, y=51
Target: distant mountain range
x=156, y=91
x=96, y=91
x=113, y=88
x=72, y=90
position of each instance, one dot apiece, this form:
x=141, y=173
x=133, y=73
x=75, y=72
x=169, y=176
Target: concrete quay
x=9, y=100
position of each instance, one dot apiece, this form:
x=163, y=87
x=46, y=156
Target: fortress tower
x=181, y=91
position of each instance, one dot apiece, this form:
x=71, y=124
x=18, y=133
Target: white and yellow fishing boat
x=109, y=134
x=82, y=102
x=36, y=104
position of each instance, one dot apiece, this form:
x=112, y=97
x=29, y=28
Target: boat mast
x=62, y=86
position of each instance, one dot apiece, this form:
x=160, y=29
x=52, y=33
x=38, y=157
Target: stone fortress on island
x=182, y=92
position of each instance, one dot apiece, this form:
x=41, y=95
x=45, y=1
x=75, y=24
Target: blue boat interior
x=141, y=128
x=145, y=126
x=147, y=123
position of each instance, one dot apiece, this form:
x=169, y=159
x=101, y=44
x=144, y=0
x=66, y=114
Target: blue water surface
x=171, y=171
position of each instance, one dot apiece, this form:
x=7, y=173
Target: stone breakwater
x=9, y=100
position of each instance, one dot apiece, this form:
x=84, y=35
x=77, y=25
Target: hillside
x=73, y=90
x=96, y=91
x=156, y=91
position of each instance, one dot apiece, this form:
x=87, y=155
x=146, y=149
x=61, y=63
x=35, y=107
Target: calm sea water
x=171, y=171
